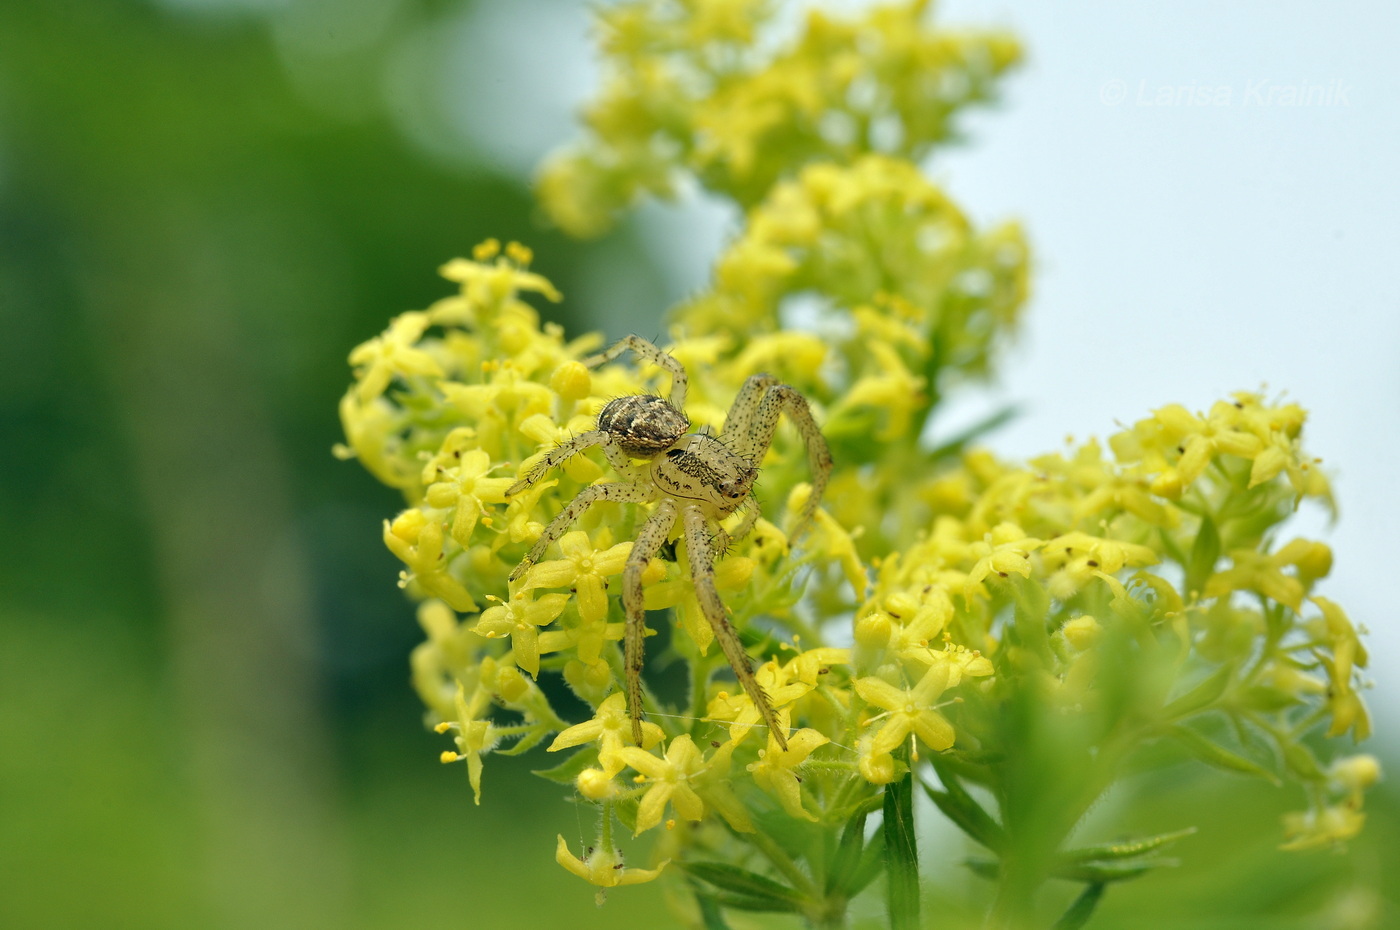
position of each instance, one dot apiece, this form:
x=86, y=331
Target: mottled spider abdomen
x=643, y=424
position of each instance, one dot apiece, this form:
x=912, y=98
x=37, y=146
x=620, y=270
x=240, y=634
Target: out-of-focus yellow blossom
x=393, y=355
x=701, y=88
x=1263, y=572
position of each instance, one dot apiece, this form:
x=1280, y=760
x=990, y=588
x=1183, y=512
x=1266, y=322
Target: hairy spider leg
x=648, y=543
x=724, y=538
x=646, y=349
x=752, y=420
x=612, y=491
x=702, y=570
x=567, y=450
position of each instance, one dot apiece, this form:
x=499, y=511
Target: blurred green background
x=204, y=711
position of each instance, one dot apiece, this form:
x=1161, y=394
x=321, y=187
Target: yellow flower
x=392, y=354
x=474, y=738
x=1263, y=573
x=776, y=768
x=1317, y=829
x=739, y=711
x=465, y=490
x=1006, y=551
x=612, y=729
x=909, y=710
x=583, y=568
x=418, y=542
x=731, y=573
x=603, y=866
x=520, y=618
x=668, y=780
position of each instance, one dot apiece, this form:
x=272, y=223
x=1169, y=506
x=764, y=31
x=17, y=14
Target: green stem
x=782, y=862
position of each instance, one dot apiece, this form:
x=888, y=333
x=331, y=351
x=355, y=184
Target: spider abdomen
x=643, y=424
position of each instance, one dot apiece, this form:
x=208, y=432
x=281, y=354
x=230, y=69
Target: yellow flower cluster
x=452, y=403
x=692, y=89
x=1028, y=626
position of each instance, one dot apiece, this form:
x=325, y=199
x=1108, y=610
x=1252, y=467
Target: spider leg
x=702, y=570
x=612, y=491
x=724, y=539
x=646, y=349
x=753, y=418
x=740, y=418
x=648, y=542
x=567, y=450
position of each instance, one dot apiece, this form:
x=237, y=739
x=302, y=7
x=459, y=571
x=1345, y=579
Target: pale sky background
x=1194, y=235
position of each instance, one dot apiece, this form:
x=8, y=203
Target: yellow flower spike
x=602, y=866
x=392, y=354
x=909, y=710
x=583, y=568
x=776, y=770
x=668, y=781
x=520, y=618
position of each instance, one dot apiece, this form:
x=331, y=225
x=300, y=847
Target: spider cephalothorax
x=696, y=479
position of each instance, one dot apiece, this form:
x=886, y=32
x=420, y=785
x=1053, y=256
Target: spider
x=696, y=480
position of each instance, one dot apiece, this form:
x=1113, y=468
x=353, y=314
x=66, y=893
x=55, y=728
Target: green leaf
x=1207, y=692
x=1104, y=872
x=711, y=916
x=871, y=864
x=1212, y=753
x=1205, y=552
x=1302, y=762
x=1124, y=849
x=983, y=868
x=845, y=863
x=567, y=771
x=747, y=885
x=1082, y=909
x=963, y=810
x=762, y=905
x=902, y=853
